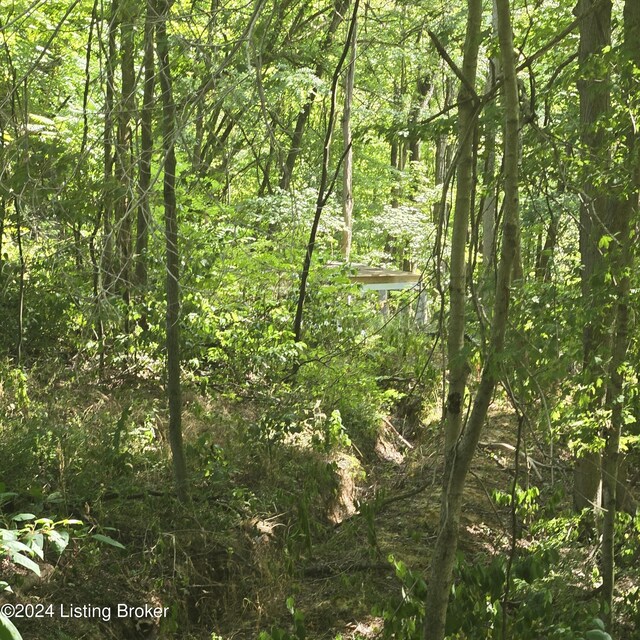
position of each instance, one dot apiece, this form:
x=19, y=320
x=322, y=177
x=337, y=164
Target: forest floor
x=288, y=539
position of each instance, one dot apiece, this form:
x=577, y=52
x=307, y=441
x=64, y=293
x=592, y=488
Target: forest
x=318, y=319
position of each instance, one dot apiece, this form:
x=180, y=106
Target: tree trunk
x=347, y=168
x=124, y=152
x=324, y=181
x=622, y=265
x=146, y=151
x=595, y=34
x=615, y=391
x=173, y=258
x=467, y=122
x=442, y=159
x=543, y=259
x=489, y=206
x=20, y=315
x=459, y=454
x=424, y=91
x=107, y=262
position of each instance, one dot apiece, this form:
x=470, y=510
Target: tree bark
x=347, y=167
x=443, y=155
x=107, y=262
x=424, y=91
x=21, y=280
x=172, y=254
x=543, y=259
x=467, y=122
x=622, y=265
x=124, y=152
x=615, y=405
x=458, y=456
x=593, y=88
x=146, y=150
x=489, y=206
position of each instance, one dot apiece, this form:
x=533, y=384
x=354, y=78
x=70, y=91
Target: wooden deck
x=379, y=279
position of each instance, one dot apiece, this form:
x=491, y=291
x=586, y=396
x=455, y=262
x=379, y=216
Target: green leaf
x=23, y=517
x=7, y=629
x=597, y=634
x=107, y=540
x=291, y=605
x=35, y=542
x=604, y=242
x=16, y=546
x=56, y=496
x=25, y=562
x=59, y=540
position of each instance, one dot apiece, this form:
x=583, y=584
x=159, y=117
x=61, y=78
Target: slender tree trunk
x=3, y=200
x=615, y=404
x=107, y=262
x=146, y=151
x=347, y=168
x=442, y=159
x=543, y=271
x=3, y=215
x=173, y=258
x=20, y=337
x=23, y=159
x=124, y=152
x=489, y=205
x=424, y=91
x=467, y=122
x=458, y=456
x=324, y=180
x=622, y=265
x=595, y=34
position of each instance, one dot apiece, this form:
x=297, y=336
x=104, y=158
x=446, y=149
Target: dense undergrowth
x=314, y=466
x=312, y=513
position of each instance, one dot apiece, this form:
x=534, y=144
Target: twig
x=402, y=438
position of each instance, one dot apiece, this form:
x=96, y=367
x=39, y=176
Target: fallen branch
x=505, y=446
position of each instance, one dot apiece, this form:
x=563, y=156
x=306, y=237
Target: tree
x=595, y=219
x=621, y=264
x=124, y=167
x=489, y=200
x=460, y=445
x=444, y=552
x=146, y=151
x=347, y=169
x=467, y=121
x=324, y=187
x=172, y=254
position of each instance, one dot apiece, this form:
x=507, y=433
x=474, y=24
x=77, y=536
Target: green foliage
x=527, y=503
x=298, y=631
x=7, y=629
x=25, y=538
x=403, y=617
x=277, y=417
x=538, y=604
x=24, y=541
